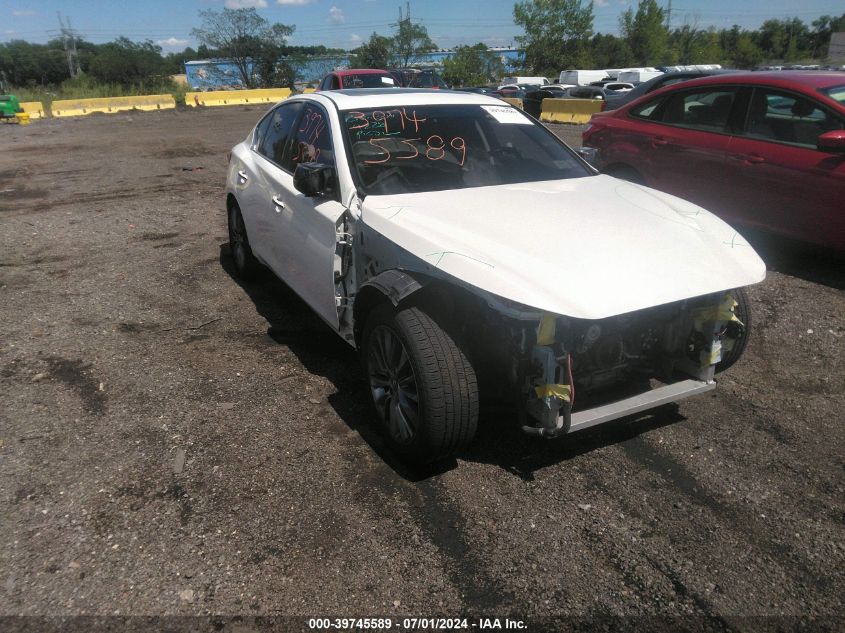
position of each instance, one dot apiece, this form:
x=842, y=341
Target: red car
x=763, y=150
x=357, y=78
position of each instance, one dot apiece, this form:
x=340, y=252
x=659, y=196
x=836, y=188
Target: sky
x=346, y=23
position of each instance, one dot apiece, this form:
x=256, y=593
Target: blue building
x=222, y=74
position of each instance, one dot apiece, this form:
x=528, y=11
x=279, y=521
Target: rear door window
x=707, y=110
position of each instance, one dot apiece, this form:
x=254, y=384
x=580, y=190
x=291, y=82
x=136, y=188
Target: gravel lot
x=173, y=442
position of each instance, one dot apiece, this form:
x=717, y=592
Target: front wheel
x=423, y=387
x=740, y=332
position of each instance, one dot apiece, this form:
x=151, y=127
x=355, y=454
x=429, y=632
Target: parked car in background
x=463, y=248
x=513, y=91
x=532, y=102
x=661, y=81
x=588, y=92
x=529, y=81
x=357, y=78
x=482, y=90
x=418, y=78
x=617, y=86
x=764, y=150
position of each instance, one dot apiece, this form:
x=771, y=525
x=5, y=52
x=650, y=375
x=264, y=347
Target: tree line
x=558, y=34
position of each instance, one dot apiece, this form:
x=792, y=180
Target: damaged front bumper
x=681, y=347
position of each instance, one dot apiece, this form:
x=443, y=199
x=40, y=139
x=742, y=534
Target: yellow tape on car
x=111, y=105
x=236, y=97
x=722, y=312
x=563, y=392
x=546, y=330
x=569, y=110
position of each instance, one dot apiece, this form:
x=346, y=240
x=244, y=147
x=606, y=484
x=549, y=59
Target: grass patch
x=83, y=87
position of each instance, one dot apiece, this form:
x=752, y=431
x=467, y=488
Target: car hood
x=587, y=247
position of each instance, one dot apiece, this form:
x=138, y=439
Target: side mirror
x=589, y=154
x=832, y=142
x=313, y=179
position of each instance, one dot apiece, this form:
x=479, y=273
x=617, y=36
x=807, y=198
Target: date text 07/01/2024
x=415, y=623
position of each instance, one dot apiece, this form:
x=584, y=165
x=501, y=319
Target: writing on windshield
x=437, y=147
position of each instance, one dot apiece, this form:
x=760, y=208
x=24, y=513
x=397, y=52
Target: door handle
x=243, y=175
x=277, y=202
x=659, y=141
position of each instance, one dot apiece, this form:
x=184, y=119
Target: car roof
x=360, y=71
x=780, y=78
x=399, y=97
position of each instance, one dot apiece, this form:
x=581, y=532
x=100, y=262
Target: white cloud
x=355, y=40
x=23, y=14
x=297, y=3
x=336, y=16
x=600, y=3
x=246, y=4
x=172, y=42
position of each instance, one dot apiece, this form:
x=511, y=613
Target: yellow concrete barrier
x=569, y=110
x=23, y=118
x=110, y=105
x=308, y=91
x=236, y=97
x=513, y=101
x=34, y=109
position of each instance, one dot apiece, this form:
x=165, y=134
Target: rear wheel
x=245, y=263
x=423, y=386
x=741, y=332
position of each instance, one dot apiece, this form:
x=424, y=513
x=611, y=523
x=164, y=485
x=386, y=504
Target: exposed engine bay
x=687, y=339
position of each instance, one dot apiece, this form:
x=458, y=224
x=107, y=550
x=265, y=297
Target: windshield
x=437, y=147
x=837, y=93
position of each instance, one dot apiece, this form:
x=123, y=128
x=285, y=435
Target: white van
x=638, y=75
x=582, y=77
x=531, y=81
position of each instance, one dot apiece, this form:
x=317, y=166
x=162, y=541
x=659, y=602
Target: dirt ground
x=174, y=442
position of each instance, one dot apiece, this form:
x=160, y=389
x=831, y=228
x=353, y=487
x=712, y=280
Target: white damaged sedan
x=464, y=249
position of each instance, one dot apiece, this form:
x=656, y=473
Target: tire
x=627, y=173
x=246, y=265
x=743, y=313
x=409, y=357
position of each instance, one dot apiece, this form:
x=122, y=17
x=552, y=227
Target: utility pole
x=669, y=16
x=69, y=40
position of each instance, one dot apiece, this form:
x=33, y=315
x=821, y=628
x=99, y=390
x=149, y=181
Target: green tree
x=473, y=66
x=410, y=41
x=126, y=62
x=690, y=45
x=823, y=27
x=253, y=45
x=375, y=53
x=556, y=34
x=739, y=48
x=24, y=64
x=646, y=33
x=609, y=51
